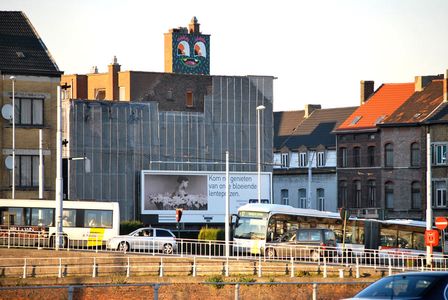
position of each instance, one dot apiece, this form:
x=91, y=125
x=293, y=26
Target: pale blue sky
x=319, y=50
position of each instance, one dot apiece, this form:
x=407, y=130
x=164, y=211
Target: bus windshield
x=251, y=228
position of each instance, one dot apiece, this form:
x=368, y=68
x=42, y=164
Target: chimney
x=445, y=87
x=112, y=85
x=367, y=89
x=422, y=81
x=193, y=27
x=94, y=70
x=309, y=108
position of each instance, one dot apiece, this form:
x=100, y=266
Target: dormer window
x=355, y=120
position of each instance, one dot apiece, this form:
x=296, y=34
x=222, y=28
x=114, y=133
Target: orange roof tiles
x=381, y=104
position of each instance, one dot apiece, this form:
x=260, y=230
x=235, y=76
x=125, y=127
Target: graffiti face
x=191, y=54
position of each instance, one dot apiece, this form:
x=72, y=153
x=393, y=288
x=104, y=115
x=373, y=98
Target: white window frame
x=302, y=200
x=285, y=160
x=440, y=199
x=285, y=200
x=439, y=154
x=320, y=200
x=303, y=161
x=321, y=159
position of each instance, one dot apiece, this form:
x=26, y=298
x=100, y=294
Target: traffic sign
x=441, y=223
x=431, y=238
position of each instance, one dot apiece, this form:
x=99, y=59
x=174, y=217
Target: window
x=69, y=217
x=439, y=194
x=389, y=155
x=343, y=161
x=320, y=199
x=302, y=198
x=284, y=197
x=303, y=161
x=355, y=120
x=320, y=159
x=356, y=157
x=389, y=194
x=100, y=94
x=189, y=99
x=343, y=193
x=163, y=233
x=416, y=196
x=41, y=217
x=285, y=162
x=371, y=156
x=357, y=193
x=438, y=154
x=415, y=155
x=29, y=111
x=98, y=218
x=372, y=193
x=122, y=93
x=27, y=170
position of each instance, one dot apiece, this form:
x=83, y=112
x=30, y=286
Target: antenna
x=7, y=111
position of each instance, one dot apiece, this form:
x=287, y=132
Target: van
x=312, y=243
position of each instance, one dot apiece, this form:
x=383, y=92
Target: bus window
x=16, y=216
x=69, y=217
x=42, y=217
x=98, y=218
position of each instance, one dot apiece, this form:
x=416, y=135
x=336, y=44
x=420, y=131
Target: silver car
x=145, y=239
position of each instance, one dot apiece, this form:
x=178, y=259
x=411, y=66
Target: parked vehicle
x=145, y=239
x=313, y=243
x=422, y=285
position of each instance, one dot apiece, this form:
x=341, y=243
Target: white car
x=145, y=239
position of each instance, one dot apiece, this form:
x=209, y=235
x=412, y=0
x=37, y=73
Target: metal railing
x=401, y=260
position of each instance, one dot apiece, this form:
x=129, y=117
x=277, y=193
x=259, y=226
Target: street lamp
x=259, y=109
x=13, y=79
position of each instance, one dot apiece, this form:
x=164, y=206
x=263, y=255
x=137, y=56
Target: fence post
x=227, y=267
x=60, y=268
x=9, y=239
x=24, y=269
x=292, y=267
x=70, y=292
x=182, y=248
x=237, y=291
x=259, y=266
x=357, y=267
x=314, y=291
x=161, y=268
x=194, y=266
x=94, y=267
x=325, y=268
x=96, y=243
x=390, y=266
x=156, y=291
x=128, y=268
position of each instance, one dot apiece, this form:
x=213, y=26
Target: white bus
x=258, y=224
x=87, y=223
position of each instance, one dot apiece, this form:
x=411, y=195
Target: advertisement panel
x=201, y=195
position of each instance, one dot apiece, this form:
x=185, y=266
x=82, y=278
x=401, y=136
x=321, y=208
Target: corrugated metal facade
x=121, y=139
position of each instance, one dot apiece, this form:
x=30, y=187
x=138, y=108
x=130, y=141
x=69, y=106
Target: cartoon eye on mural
x=183, y=49
x=200, y=50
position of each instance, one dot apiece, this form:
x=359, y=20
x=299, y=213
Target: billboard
x=201, y=195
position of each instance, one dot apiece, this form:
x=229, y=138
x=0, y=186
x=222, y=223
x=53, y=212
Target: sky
x=318, y=50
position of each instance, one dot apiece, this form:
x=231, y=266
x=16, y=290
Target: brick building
x=26, y=64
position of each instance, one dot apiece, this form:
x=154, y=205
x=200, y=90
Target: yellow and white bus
x=87, y=223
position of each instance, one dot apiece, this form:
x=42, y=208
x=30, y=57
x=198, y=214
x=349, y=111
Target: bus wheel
x=270, y=253
x=123, y=246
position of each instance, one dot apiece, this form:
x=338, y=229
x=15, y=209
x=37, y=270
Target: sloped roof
x=440, y=115
x=419, y=106
x=293, y=130
x=21, y=49
x=386, y=99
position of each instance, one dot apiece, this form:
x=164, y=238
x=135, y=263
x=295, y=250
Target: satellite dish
x=8, y=162
x=7, y=111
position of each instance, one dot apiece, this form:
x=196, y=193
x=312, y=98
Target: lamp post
x=259, y=109
x=13, y=79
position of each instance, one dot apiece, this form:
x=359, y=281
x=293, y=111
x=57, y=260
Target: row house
x=304, y=170
x=29, y=76
x=382, y=151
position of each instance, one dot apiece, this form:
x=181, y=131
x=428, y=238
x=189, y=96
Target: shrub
x=211, y=234
x=129, y=226
x=216, y=279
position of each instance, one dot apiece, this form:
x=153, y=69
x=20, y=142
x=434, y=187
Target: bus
x=258, y=224
x=85, y=223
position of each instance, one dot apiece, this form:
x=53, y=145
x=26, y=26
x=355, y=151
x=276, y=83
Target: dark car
x=418, y=285
x=304, y=242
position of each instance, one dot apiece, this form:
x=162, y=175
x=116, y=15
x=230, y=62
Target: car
x=146, y=239
x=415, y=285
x=304, y=242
